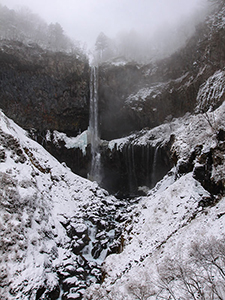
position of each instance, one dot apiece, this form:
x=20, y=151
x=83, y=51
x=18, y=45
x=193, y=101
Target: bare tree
x=142, y=290
x=202, y=276
x=25, y=26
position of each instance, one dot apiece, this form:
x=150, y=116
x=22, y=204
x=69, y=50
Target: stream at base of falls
x=94, y=236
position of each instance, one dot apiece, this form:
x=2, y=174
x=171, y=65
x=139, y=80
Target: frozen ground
x=42, y=211
x=45, y=210
x=176, y=214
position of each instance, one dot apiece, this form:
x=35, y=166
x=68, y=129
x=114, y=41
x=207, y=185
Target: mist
x=156, y=27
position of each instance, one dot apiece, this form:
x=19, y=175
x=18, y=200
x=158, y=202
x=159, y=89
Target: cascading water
x=147, y=162
x=154, y=165
x=131, y=169
x=95, y=171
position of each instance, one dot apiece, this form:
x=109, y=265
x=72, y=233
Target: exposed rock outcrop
x=47, y=92
x=44, y=90
x=133, y=97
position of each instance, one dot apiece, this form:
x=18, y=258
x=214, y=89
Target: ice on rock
x=79, y=229
x=43, y=208
x=81, y=141
x=211, y=92
x=73, y=296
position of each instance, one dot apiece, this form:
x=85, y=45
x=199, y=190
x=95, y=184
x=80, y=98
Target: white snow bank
x=37, y=193
x=204, y=126
x=81, y=141
x=211, y=92
x=167, y=223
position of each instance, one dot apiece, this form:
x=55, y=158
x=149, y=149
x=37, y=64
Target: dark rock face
x=202, y=165
x=133, y=97
x=123, y=170
x=44, y=90
x=50, y=91
x=115, y=84
x=127, y=171
x=74, y=158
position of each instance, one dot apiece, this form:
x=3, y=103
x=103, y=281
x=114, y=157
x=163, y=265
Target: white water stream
x=154, y=165
x=95, y=172
x=87, y=251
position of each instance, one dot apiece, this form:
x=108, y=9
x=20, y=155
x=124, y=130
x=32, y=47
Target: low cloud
x=84, y=19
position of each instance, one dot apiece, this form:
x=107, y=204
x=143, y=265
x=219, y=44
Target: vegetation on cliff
x=25, y=26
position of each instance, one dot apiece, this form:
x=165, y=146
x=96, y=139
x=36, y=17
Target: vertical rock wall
x=44, y=90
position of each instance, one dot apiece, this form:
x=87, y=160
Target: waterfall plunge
x=95, y=171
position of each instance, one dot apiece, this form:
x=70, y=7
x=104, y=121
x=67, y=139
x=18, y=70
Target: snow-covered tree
x=25, y=26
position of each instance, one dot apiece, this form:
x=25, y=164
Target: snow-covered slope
x=44, y=212
x=177, y=216
x=56, y=227
x=169, y=222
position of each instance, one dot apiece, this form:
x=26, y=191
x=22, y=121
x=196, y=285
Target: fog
x=83, y=20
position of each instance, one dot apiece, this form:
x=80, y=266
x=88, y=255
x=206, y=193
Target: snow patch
x=81, y=141
x=211, y=92
x=145, y=93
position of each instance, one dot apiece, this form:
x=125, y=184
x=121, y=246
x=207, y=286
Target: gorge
x=113, y=175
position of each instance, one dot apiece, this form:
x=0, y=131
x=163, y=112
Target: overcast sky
x=84, y=19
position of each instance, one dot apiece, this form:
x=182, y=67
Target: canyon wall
x=133, y=97
x=44, y=90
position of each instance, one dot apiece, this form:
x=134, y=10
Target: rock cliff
x=133, y=97
x=44, y=90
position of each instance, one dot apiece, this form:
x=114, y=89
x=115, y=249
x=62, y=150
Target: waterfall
x=129, y=156
x=154, y=166
x=95, y=171
x=147, y=162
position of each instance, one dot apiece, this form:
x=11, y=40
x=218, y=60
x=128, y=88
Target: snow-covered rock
x=211, y=93
x=57, y=228
x=43, y=210
x=168, y=223
x=177, y=216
